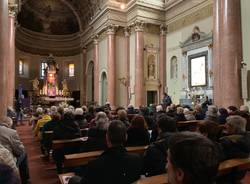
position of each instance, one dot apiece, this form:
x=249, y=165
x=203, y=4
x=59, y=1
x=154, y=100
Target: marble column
x=11, y=61
x=227, y=53
x=162, y=71
x=111, y=66
x=3, y=56
x=139, y=66
x=96, y=69
x=127, y=60
x=84, y=76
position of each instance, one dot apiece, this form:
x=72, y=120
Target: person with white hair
x=237, y=141
x=11, y=141
x=244, y=108
x=212, y=113
x=80, y=119
x=97, y=133
x=189, y=115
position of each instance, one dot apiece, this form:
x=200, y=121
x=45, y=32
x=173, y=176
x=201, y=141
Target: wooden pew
x=59, y=144
x=79, y=159
x=225, y=167
x=189, y=125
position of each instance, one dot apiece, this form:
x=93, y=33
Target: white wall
x=173, y=49
x=245, y=14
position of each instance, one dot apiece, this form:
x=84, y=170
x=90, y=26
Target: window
x=71, y=70
x=42, y=69
x=21, y=67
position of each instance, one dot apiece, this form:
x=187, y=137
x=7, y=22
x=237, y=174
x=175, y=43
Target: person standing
x=167, y=101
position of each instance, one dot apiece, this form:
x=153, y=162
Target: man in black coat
x=155, y=157
x=115, y=165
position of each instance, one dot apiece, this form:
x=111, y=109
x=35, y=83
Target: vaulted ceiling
x=57, y=17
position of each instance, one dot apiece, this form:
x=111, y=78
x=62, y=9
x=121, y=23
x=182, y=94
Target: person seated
x=244, y=112
x=8, y=175
x=80, y=119
x=212, y=113
x=11, y=141
x=45, y=118
x=154, y=159
x=7, y=158
x=122, y=116
x=138, y=134
x=145, y=112
x=96, y=135
x=223, y=114
x=188, y=114
x=179, y=116
x=46, y=144
x=237, y=141
x=192, y=158
x=115, y=165
x=35, y=117
x=232, y=110
x=67, y=128
x=199, y=114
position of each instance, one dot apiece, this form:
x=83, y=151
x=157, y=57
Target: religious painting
x=198, y=69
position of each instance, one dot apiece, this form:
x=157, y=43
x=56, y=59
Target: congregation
x=191, y=154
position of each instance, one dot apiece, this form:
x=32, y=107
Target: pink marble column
x=162, y=71
x=139, y=66
x=127, y=59
x=11, y=62
x=84, y=76
x=111, y=66
x=227, y=53
x=96, y=70
x=3, y=56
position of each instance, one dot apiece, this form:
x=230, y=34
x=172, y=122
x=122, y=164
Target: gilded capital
x=95, y=39
x=139, y=25
x=163, y=29
x=13, y=9
x=127, y=31
x=111, y=29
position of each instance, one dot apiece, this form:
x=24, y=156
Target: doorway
x=151, y=97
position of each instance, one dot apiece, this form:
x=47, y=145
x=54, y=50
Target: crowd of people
x=190, y=156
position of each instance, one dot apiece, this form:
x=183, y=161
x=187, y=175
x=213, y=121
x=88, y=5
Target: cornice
x=39, y=43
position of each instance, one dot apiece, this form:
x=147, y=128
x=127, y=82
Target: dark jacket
x=137, y=137
x=96, y=139
x=114, y=166
x=180, y=117
x=82, y=122
x=236, y=146
x=155, y=157
x=66, y=129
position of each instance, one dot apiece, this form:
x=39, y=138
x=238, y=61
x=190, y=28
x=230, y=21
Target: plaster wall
x=245, y=14
x=174, y=86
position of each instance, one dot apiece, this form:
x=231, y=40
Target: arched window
x=173, y=68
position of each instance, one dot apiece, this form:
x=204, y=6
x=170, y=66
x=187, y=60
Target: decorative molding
x=95, y=39
x=111, y=29
x=127, y=31
x=163, y=30
x=191, y=18
x=138, y=25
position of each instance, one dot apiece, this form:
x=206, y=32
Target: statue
x=65, y=88
x=151, y=67
x=35, y=84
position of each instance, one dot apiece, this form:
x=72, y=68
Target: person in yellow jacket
x=45, y=118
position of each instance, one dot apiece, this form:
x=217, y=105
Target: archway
x=103, y=88
x=90, y=82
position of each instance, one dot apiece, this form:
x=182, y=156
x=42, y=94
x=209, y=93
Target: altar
x=51, y=93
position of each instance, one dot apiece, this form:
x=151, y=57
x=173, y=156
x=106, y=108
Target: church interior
x=124, y=91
